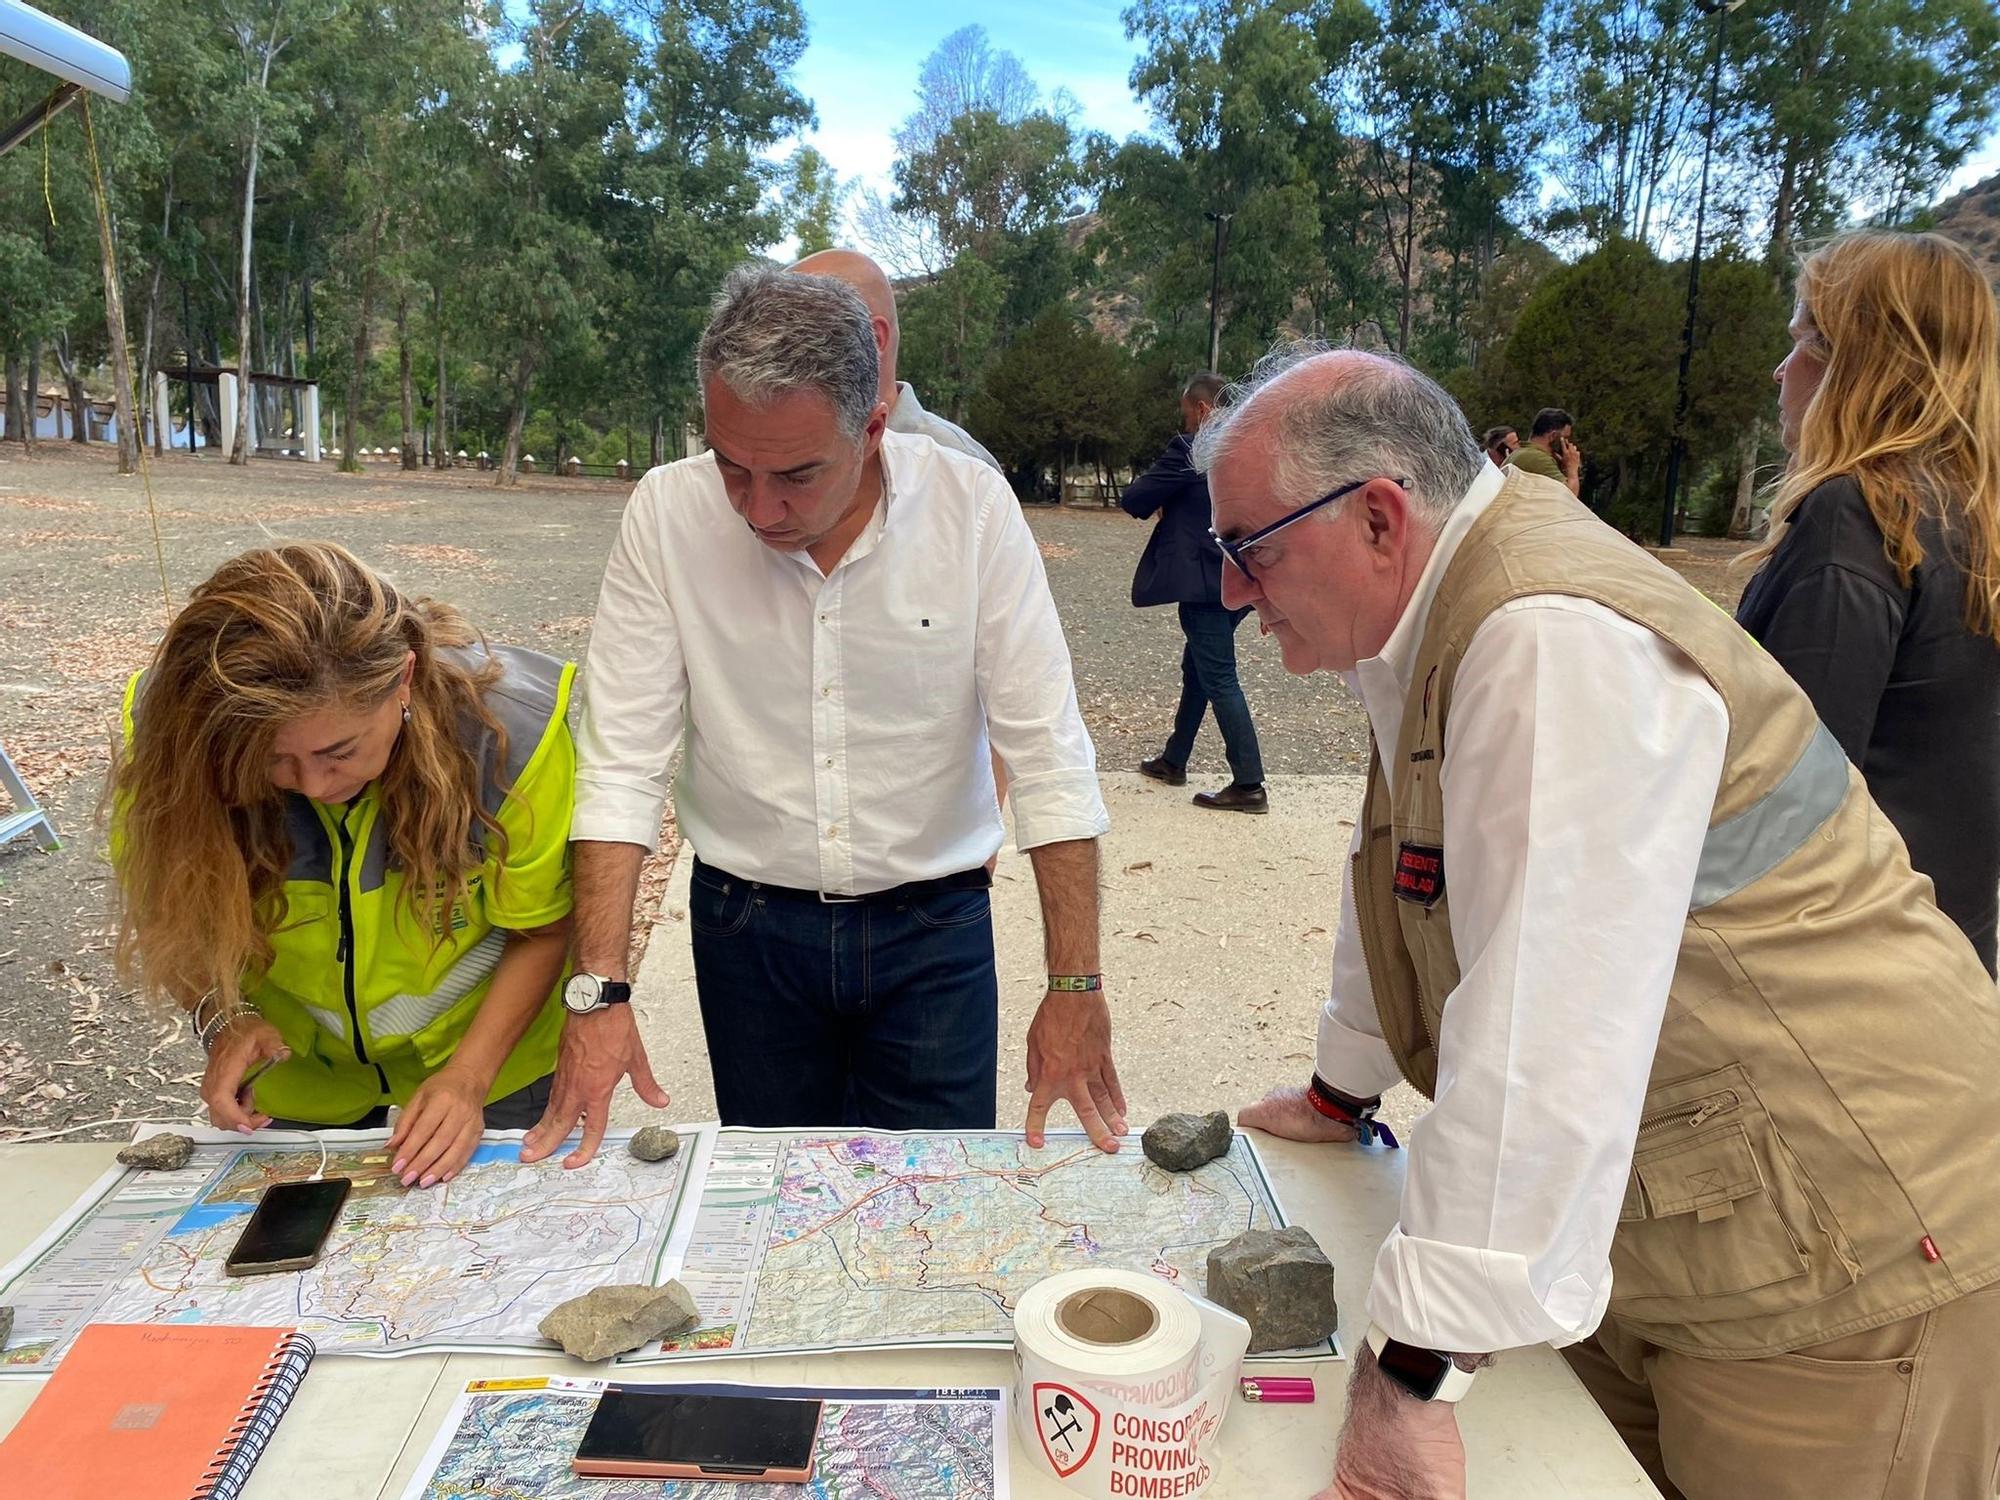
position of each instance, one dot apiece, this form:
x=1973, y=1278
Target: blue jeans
x=1208, y=680
x=884, y=1016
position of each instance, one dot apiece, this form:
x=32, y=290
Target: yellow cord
x=138, y=429
x=47, y=196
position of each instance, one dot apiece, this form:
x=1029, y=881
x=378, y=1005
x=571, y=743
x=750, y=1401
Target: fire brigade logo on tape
x=1067, y=1424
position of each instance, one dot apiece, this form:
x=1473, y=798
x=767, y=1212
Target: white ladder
x=29, y=816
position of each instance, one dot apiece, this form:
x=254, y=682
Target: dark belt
x=979, y=879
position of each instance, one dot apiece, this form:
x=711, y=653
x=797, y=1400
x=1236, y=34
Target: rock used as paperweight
x=1280, y=1282
x=610, y=1320
x=1180, y=1143
x=655, y=1143
x=158, y=1153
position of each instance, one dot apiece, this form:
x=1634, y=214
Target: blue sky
x=860, y=67
x=860, y=70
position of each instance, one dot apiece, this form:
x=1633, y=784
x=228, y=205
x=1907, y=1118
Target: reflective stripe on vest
x=404, y=1015
x=1771, y=830
x=330, y=1021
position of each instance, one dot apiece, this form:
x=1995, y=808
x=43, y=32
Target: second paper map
x=818, y=1240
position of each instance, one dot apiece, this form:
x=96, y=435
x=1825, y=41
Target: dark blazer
x=1912, y=695
x=1181, y=563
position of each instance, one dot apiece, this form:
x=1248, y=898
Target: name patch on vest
x=1420, y=874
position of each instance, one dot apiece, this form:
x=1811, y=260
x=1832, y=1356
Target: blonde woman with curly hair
x=341, y=830
x=1879, y=590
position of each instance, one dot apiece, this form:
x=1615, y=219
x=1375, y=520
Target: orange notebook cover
x=154, y=1412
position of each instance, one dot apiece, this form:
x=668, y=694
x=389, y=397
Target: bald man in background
x=906, y=413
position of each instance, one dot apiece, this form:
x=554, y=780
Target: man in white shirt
x=906, y=413
x=1610, y=885
x=839, y=620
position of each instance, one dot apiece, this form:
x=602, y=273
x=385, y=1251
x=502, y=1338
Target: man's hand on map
x=1393, y=1446
x=242, y=1044
x=1287, y=1113
x=597, y=1051
x=1069, y=1057
x=439, y=1129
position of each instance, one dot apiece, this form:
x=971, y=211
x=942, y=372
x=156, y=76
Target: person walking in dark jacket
x=1182, y=566
x=1880, y=589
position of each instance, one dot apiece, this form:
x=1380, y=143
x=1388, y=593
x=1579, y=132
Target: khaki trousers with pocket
x=1907, y=1411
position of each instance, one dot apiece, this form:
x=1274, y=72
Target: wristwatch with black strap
x=584, y=993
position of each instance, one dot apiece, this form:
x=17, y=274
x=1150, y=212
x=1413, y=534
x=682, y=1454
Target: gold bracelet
x=1075, y=984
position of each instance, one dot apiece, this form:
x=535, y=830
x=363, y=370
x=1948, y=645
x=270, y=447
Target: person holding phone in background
x=1551, y=450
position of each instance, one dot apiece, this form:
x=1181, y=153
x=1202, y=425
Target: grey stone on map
x=1280, y=1282
x=6, y=1325
x=158, y=1153
x=610, y=1320
x=1180, y=1143
x=655, y=1143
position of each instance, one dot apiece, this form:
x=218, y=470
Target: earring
x=406, y=713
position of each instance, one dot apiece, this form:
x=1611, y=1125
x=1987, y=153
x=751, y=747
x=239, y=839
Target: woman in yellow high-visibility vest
x=341, y=831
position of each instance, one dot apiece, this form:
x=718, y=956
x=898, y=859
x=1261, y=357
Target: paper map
x=821, y=1240
x=473, y=1264
x=517, y=1437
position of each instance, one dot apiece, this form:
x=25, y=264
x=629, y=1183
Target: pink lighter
x=1277, y=1389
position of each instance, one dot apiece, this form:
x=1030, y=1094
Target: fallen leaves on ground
x=654, y=875
x=440, y=554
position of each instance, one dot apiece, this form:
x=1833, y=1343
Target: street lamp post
x=1676, y=454
x=1221, y=223
x=187, y=342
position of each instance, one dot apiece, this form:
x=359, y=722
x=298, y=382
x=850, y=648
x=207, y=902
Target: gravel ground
x=81, y=606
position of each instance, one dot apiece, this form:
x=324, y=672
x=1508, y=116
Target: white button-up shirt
x=837, y=725
x=1580, y=767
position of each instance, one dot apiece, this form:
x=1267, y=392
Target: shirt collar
x=1384, y=679
x=893, y=455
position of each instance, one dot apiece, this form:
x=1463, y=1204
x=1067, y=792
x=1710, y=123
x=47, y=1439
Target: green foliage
x=951, y=332
x=1601, y=338
x=469, y=214
x=815, y=200
x=1060, y=394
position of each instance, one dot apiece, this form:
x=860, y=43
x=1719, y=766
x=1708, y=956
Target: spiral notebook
x=155, y=1412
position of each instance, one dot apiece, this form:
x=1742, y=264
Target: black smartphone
x=287, y=1227
x=689, y=1435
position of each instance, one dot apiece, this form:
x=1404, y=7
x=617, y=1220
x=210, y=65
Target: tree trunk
x=18, y=416
x=115, y=329
x=312, y=328
x=441, y=459
x=79, y=399
x=1409, y=249
x=409, y=447
x=350, y=440
x=147, y=384
x=1742, y=515
x=517, y=418
x=1782, y=209
x=244, y=393
x=35, y=393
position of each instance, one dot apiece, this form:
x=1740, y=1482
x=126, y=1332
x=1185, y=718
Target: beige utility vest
x=1819, y=1151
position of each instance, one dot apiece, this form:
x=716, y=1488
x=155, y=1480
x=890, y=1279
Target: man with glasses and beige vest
x=1713, y=1079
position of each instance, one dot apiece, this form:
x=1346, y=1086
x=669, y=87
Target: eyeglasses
x=1238, y=551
